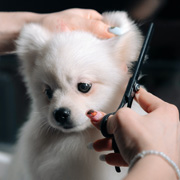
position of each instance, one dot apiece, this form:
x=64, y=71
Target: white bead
x=153, y=152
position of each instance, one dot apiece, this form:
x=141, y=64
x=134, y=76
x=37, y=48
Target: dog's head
x=71, y=72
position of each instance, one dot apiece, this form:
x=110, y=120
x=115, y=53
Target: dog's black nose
x=62, y=116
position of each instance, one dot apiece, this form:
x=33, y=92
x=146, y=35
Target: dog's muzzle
x=62, y=117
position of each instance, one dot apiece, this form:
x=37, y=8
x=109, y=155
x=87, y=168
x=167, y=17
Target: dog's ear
x=31, y=41
x=125, y=46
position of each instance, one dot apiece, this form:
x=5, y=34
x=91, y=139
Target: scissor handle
x=104, y=125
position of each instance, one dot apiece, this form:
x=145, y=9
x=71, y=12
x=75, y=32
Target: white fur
x=46, y=150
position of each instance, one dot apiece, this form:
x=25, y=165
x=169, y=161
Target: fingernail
x=95, y=116
x=90, y=146
x=117, y=30
x=102, y=157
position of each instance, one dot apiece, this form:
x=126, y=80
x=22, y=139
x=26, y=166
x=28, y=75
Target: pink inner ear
x=124, y=67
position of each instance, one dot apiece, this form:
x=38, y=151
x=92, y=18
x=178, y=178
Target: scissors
x=130, y=91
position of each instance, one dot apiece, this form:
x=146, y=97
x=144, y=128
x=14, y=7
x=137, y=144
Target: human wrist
x=154, y=167
x=12, y=23
x=31, y=17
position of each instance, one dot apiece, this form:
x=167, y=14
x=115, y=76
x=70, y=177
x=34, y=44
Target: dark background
x=170, y=7
x=162, y=70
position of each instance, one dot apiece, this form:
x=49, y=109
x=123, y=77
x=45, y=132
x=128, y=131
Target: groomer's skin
x=158, y=130
x=67, y=20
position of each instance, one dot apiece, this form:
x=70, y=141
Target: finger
x=100, y=29
x=148, y=101
x=87, y=13
x=103, y=145
x=124, y=118
x=95, y=117
x=91, y=14
x=114, y=159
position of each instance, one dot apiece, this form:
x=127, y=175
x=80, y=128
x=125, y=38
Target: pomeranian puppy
x=67, y=74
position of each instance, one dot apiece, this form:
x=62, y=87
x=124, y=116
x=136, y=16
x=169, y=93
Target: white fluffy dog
x=67, y=74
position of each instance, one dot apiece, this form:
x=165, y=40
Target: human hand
x=158, y=130
x=76, y=19
x=67, y=20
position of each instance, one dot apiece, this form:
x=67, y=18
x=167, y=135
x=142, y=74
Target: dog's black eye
x=49, y=92
x=84, y=87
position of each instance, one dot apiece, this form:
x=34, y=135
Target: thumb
x=125, y=118
x=148, y=101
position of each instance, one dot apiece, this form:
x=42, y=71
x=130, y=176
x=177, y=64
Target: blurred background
x=161, y=71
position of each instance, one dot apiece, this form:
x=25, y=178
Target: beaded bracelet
x=152, y=152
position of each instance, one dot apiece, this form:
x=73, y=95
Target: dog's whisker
x=44, y=107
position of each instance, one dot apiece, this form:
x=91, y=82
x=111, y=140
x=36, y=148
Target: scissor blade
x=130, y=89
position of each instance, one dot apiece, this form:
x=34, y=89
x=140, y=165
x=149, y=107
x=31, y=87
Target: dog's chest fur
x=54, y=155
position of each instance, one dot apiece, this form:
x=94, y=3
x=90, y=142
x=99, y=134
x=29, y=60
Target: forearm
x=151, y=167
x=10, y=26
